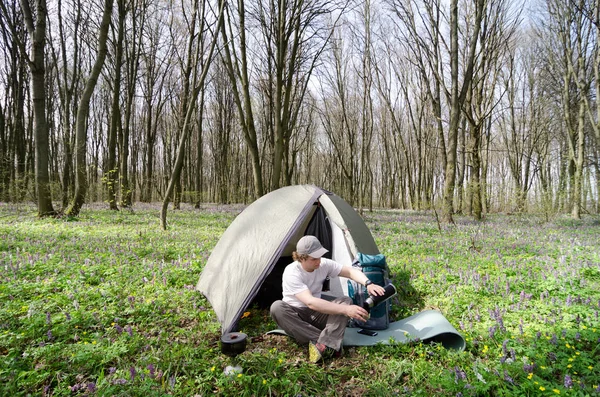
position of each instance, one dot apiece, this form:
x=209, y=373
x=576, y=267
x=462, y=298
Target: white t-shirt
x=296, y=280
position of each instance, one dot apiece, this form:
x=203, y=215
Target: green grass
x=105, y=304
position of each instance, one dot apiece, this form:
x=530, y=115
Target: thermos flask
x=374, y=300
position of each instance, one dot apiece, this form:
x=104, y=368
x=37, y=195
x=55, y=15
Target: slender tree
x=81, y=182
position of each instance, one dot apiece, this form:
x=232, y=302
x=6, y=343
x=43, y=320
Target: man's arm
x=358, y=276
x=326, y=307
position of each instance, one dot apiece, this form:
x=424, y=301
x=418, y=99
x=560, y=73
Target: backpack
x=375, y=268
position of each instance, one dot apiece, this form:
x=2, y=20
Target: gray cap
x=311, y=246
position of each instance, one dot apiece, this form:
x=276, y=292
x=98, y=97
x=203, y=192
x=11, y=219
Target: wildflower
x=246, y=314
x=212, y=369
x=556, y=391
x=530, y=375
x=568, y=381
x=508, y=378
x=151, y=370
x=239, y=375
x=590, y=367
x=542, y=388
x=528, y=367
x=264, y=381
x=132, y=373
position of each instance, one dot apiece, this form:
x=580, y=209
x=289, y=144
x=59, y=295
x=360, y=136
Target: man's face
x=311, y=264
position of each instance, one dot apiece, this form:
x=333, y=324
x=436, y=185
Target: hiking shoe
x=318, y=352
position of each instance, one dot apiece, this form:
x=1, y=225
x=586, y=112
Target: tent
x=246, y=265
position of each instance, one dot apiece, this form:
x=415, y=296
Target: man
x=302, y=313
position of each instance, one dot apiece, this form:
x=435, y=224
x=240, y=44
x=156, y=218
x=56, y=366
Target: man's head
x=309, y=252
x=311, y=246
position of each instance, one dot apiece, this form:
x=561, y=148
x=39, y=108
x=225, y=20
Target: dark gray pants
x=304, y=324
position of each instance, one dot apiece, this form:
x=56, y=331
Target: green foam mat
x=427, y=326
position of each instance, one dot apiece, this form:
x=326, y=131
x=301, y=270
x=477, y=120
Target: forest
x=465, y=107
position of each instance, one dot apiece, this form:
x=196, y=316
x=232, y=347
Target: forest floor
x=105, y=304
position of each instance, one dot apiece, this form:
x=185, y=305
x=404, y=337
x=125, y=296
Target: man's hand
x=356, y=312
x=374, y=289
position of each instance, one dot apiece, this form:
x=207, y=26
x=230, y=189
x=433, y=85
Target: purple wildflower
x=48, y=320
x=492, y=331
x=119, y=329
x=568, y=381
x=50, y=337
x=112, y=370
x=508, y=378
x=172, y=380
x=91, y=386
x=119, y=381
x=131, y=300
x=68, y=316
x=129, y=331
x=528, y=368
x=505, y=346
x=554, y=340
x=151, y=369
x=132, y=373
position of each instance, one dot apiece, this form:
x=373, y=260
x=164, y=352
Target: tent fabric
x=265, y=231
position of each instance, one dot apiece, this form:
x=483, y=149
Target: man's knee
x=276, y=308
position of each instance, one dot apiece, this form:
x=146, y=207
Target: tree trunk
x=115, y=117
x=37, y=31
x=81, y=184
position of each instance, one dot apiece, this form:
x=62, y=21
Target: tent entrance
x=271, y=289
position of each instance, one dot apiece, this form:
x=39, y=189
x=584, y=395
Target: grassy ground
x=105, y=305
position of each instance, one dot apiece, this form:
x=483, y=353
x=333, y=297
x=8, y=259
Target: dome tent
x=247, y=262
